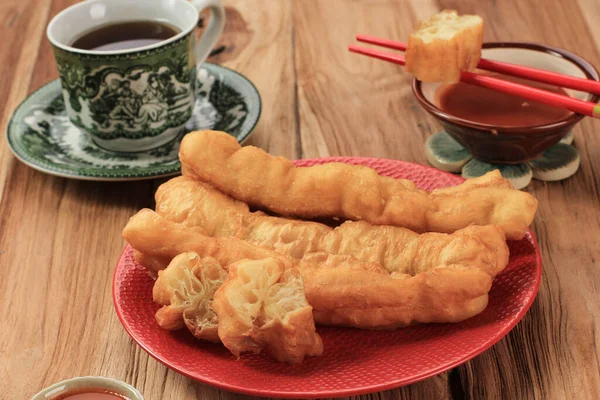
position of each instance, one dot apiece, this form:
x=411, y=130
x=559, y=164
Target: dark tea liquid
x=125, y=35
x=487, y=106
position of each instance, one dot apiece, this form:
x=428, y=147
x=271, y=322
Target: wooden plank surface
x=60, y=239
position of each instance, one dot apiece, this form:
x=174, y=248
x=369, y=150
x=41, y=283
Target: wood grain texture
x=60, y=239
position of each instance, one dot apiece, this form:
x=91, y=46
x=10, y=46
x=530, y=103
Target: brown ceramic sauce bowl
x=510, y=145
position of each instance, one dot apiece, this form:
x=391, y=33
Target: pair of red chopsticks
x=526, y=92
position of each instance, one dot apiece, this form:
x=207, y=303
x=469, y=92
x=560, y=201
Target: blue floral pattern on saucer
x=558, y=162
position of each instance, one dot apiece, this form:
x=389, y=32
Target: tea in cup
x=128, y=67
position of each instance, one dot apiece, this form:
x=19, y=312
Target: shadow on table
x=132, y=194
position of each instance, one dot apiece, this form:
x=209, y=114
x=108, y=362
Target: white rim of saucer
x=87, y=3
x=99, y=382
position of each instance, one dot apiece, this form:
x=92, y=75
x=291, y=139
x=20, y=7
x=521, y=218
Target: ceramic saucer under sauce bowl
x=41, y=135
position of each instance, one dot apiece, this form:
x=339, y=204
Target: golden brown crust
x=195, y=203
x=332, y=190
x=152, y=264
x=371, y=300
x=402, y=251
x=393, y=317
x=154, y=236
x=510, y=209
x=444, y=46
x=350, y=192
x=335, y=285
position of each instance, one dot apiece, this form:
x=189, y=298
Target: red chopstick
x=526, y=92
x=534, y=74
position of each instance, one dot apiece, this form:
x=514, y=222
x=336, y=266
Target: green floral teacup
x=134, y=99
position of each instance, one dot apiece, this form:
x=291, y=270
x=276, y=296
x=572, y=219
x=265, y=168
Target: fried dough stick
x=197, y=204
x=185, y=290
x=259, y=304
x=349, y=191
x=341, y=290
x=444, y=46
x=153, y=236
x=262, y=304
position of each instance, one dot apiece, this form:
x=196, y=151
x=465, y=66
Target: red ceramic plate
x=354, y=361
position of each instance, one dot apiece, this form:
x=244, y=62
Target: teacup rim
x=71, y=49
x=588, y=69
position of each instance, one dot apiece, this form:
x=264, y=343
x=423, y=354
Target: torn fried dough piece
x=340, y=288
x=194, y=203
x=337, y=190
x=258, y=304
x=289, y=328
x=239, y=303
x=185, y=289
x=262, y=304
x=444, y=46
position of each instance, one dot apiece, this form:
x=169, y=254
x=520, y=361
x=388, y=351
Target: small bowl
x=511, y=145
x=89, y=382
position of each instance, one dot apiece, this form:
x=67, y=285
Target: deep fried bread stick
x=259, y=304
x=337, y=190
x=341, y=290
x=197, y=204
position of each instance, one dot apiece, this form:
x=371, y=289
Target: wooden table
x=60, y=238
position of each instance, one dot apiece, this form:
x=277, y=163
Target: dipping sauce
x=486, y=106
x=90, y=394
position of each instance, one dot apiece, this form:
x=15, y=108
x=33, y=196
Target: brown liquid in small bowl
x=500, y=128
x=487, y=106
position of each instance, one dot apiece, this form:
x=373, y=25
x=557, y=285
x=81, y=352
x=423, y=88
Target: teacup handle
x=213, y=31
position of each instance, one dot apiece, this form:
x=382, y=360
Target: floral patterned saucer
x=41, y=135
x=558, y=162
